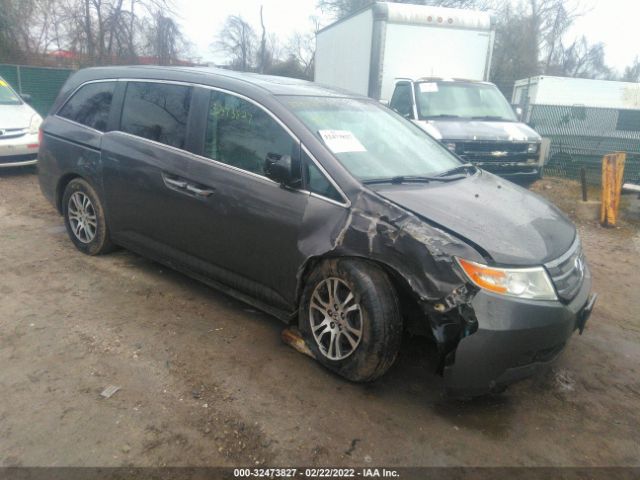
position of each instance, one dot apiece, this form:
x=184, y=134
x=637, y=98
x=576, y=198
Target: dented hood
x=511, y=224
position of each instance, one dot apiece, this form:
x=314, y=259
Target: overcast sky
x=613, y=22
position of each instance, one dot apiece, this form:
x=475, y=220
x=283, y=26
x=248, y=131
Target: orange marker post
x=612, y=173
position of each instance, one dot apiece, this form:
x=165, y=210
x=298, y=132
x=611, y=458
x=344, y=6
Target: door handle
x=174, y=182
x=200, y=192
x=185, y=186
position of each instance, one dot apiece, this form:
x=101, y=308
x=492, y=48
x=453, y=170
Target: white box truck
x=429, y=64
x=366, y=51
x=548, y=90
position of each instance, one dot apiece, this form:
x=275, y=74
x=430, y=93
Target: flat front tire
x=84, y=218
x=350, y=319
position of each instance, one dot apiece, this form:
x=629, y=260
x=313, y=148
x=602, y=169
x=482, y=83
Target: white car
x=19, y=125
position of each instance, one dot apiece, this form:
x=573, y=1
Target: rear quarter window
x=90, y=105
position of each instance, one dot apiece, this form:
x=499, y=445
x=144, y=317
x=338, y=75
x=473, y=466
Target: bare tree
x=108, y=31
x=342, y=8
x=581, y=59
x=89, y=31
x=165, y=41
x=238, y=40
x=632, y=72
x=27, y=28
x=262, y=57
x=550, y=20
x=302, y=47
x=515, y=53
x=531, y=40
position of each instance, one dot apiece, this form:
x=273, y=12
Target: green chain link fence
x=42, y=83
x=580, y=136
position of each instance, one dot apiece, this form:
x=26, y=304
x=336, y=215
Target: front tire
x=84, y=218
x=350, y=319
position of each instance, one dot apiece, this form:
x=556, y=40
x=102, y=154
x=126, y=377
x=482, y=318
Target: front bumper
x=19, y=151
x=515, y=338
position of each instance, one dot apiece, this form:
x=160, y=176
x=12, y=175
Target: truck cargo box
x=366, y=51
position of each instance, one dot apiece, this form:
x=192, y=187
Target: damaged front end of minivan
x=484, y=342
x=440, y=295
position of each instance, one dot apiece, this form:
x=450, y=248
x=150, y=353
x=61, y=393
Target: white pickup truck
x=431, y=64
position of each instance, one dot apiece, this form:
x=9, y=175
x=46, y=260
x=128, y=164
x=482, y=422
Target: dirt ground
x=206, y=380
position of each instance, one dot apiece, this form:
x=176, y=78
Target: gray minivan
x=325, y=209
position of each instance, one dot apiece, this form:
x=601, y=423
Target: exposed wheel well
x=409, y=306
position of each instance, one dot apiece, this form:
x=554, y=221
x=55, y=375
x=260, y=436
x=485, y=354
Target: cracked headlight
x=532, y=283
x=34, y=125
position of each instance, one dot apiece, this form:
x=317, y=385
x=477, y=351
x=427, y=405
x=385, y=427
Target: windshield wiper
x=443, y=115
x=464, y=168
x=408, y=179
x=492, y=117
x=401, y=179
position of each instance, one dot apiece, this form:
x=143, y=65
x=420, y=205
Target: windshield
x=371, y=141
x=460, y=99
x=8, y=96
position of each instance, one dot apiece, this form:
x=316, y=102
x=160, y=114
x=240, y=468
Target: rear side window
x=241, y=134
x=157, y=111
x=90, y=105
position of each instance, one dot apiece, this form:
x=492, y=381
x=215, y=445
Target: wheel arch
x=61, y=187
x=407, y=300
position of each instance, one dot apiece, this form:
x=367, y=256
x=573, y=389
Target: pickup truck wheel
x=84, y=218
x=350, y=319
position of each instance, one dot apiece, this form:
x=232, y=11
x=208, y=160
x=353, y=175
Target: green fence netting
x=580, y=136
x=42, y=83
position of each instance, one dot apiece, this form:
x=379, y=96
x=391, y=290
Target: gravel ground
x=206, y=380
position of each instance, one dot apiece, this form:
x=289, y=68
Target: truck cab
x=473, y=120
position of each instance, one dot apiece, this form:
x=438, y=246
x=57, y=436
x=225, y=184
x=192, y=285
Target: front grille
x=494, y=151
x=479, y=147
x=567, y=272
x=18, y=158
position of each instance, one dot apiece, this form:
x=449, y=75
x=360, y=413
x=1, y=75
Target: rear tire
x=350, y=318
x=84, y=218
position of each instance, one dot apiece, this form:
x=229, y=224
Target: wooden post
x=583, y=182
x=612, y=172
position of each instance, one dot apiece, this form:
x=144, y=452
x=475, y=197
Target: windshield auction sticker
x=428, y=87
x=341, y=141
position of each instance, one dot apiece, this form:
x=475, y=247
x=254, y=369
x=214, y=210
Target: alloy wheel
x=336, y=319
x=82, y=217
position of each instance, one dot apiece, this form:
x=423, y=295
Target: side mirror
x=518, y=111
x=26, y=97
x=279, y=168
